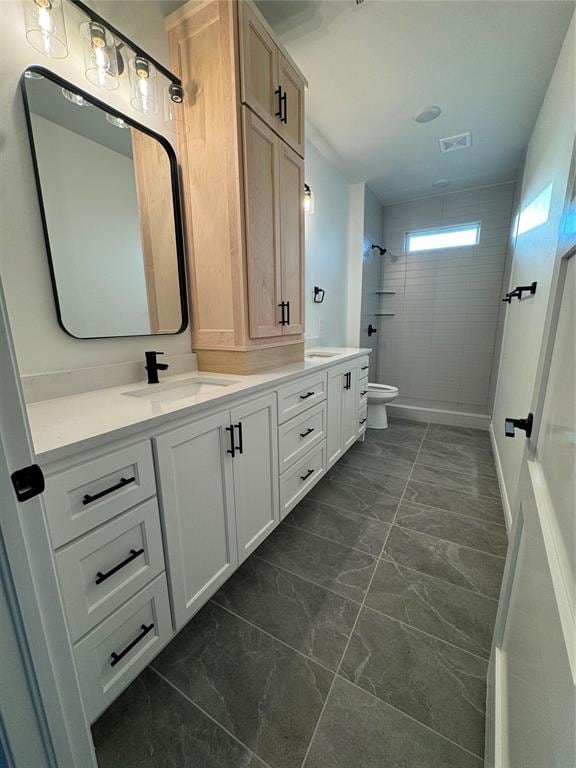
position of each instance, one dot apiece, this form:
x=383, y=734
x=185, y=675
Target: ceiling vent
x=452, y=143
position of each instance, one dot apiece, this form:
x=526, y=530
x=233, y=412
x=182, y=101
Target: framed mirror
x=110, y=206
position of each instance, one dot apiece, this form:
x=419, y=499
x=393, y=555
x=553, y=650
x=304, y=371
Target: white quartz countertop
x=66, y=425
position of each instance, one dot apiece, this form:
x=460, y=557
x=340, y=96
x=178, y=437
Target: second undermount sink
x=180, y=390
x=320, y=355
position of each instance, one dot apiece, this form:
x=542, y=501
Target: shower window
x=439, y=238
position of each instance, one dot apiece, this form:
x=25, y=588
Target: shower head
x=381, y=251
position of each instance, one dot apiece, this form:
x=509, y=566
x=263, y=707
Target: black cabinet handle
x=308, y=432
x=283, y=320
x=232, y=449
x=364, y=392
x=278, y=92
x=307, y=395
x=347, y=380
x=134, y=553
x=510, y=425
x=519, y=290
x=287, y=313
x=116, y=657
x=240, y=446
x=88, y=499
x=364, y=368
x=307, y=475
x=284, y=107
x=362, y=421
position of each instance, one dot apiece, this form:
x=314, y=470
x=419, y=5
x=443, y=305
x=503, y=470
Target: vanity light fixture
x=100, y=55
x=75, y=98
x=308, y=200
x=45, y=27
x=144, y=88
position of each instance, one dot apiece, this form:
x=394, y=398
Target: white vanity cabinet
x=343, y=419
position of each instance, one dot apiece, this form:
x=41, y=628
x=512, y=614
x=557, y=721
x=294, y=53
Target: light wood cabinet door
x=334, y=420
x=292, y=117
x=262, y=190
x=197, y=499
x=292, y=237
x=258, y=66
x=255, y=464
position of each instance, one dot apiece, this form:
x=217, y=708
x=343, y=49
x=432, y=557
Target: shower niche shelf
x=385, y=314
x=387, y=293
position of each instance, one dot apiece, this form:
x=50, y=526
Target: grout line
x=273, y=637
x=210, y=717
x=458, y=490
x=459, y=514
x=358, y=616
x=447, y=541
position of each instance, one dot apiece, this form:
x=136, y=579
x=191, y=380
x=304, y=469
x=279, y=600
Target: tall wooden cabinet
x=241, y=146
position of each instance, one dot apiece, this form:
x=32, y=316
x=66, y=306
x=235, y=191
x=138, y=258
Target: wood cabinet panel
x=292, y=236
x=293, y=89
x=258, y=66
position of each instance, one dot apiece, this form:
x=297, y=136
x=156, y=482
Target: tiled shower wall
x=439, y=347
x=371, y=272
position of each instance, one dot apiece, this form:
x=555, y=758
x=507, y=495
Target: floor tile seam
x=309, y=581
x=448, y=541
x=381, y=493
x=350, y=511
x=487, y=449
x=460, y=514
x=376, y=472
x=428, y=634
x=272, y=636
x=210, y=717
x=410, y=717
x=335, y=541
x=455, y=490
x=457, y=471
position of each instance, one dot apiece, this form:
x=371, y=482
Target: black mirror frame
x=176, y=200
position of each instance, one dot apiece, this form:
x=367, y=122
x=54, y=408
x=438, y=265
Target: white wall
x=371, y=275
x=547, y=168
x=326, y=250
x=40, y=343
x=438, y=348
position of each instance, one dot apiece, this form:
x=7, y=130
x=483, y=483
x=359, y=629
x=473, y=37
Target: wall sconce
x=45, y=27
x=144, y=88
x=173, y=97
x=100, y=56
x=308, y=199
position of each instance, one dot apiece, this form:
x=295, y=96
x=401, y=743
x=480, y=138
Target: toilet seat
x=382, y=388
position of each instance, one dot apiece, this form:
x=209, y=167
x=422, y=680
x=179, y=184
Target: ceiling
x=372, y=67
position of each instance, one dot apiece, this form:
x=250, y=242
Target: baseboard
x=501, y=481
x=439, y=416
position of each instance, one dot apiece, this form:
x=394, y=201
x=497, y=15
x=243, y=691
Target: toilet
x=378, y=396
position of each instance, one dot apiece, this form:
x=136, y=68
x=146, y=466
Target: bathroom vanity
x=155, y=494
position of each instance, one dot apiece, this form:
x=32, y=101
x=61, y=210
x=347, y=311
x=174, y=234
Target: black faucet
x=153, y=366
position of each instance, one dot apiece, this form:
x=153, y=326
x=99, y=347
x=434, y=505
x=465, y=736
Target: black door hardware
x=278, y=92
x=232, y=449
x=116, y=657
x=378, y=248
x=362, y=421
x=307, y=475
x=519, y=290
x=308, y=432
x=371, y=330
x=347, y=380
x=153, y=366
x=364, y=392
x=307, y=395
x=134, y=553
x=283, y=320
x=510, y=426
x=282, y=112
x=364, y=368
x=28, y=482
x=318, y=297
x=88, y=499
x=287, y=313
x=240, y=446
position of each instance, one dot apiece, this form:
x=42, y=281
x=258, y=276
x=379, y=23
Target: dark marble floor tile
x=266, y=694
x=153, y=726
x=460, y=529
x=401, y=432
x=349, y=528
x=471, y=459
x=354, y=498
x=462, y=566
x=326, y=563
x=483, y=508
x=309, y=618
x=458, y=435
x=358, y=730
x=450, y=613
x=375, y=464
x=474, y=485
x=434, y=682
x=374, y=447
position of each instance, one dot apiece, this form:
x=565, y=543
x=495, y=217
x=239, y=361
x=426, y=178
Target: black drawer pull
x=364, y=368
x=240, y=446
x=134, y=553
x=232, y=449
x=308, y=432
x=278, y=92
x=362, y=421
x=307, y=475
x=365, y=392
x=307, y=395
x=116, y=657
x=123, y=481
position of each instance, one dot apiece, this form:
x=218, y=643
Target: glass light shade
x=173, y=97
x=143, y=81
x=100, y=56
x=117, y=121
x=308, y=200
x=75, y=98
x=45, y=27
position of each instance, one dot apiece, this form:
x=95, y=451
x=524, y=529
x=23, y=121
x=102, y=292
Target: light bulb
x=308, y=199
x=100, y=56
x=45, y=28
x=144, y=87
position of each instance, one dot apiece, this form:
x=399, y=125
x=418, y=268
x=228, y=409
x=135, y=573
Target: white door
x=255, y=463
x=350, y=402
x=531, y=721
x=43, y=720
x=197, y=492
x=334, y=421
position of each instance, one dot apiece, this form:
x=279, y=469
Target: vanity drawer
x=364, y=363
x=88, y=495
x=103, y=569
x=303, y=394
x=362, y=419
x=114, y=653
x=363, y=391
x=299, y=435
x=299, y=479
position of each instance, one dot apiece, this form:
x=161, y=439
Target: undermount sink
x=320, y=355
x=180, y=390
